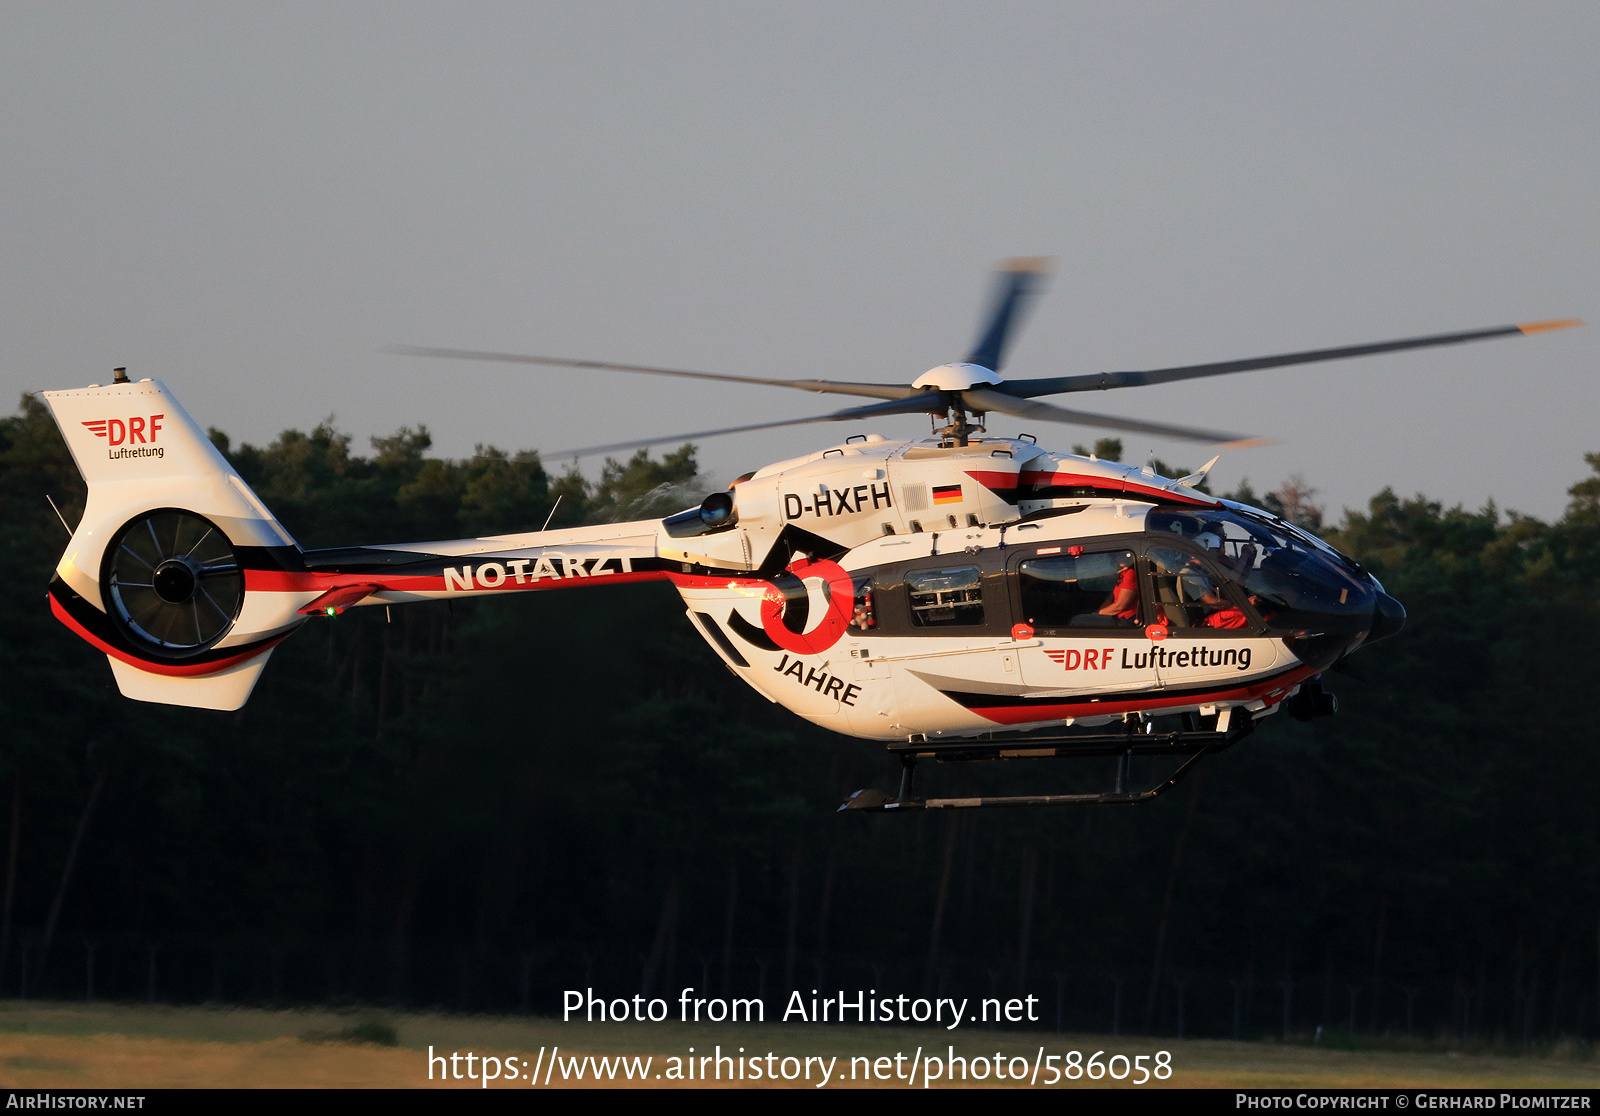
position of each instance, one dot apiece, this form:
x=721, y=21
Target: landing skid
x=1192, y=742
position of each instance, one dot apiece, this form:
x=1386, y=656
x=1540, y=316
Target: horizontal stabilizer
x=335, y=601
x=225, y=690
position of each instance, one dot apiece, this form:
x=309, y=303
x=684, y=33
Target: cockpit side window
x=1188, y=595
x=1099, y=590
x=1284, y=572
x=1235, y=545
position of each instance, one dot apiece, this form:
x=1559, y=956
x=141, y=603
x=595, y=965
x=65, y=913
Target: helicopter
x=959, y=597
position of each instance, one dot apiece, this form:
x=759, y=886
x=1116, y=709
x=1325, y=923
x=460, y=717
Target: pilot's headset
x=1210, y=541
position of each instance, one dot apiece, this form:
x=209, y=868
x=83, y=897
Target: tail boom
x=186, y=582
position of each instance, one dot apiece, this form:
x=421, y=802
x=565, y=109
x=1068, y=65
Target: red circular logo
x=1157, y=632
x=841, y=596
x=1021, y=631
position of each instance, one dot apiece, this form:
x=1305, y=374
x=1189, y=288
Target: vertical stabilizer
x=154, y=575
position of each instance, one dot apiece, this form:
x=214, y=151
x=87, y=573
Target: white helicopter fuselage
x=886, y=590
x=974, y=513
x=894, y=681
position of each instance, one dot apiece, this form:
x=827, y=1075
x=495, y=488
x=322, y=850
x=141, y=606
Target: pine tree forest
x=472, y=806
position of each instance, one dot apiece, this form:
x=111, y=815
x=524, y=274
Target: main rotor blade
x=1017, y=281
x=985, y=399
x=833, y=387
x=1100, y=380
x=930, y=402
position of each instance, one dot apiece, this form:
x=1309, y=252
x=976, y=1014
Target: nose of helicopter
x=1388, y=617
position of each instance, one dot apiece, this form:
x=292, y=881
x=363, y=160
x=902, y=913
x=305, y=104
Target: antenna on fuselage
x=557, y=504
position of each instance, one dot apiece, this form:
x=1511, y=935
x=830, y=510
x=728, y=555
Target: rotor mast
x=952, y=382
x=958, y=431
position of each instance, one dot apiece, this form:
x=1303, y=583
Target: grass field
x=46, y=1045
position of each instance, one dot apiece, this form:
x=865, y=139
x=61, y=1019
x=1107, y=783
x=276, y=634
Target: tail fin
x=154, y=574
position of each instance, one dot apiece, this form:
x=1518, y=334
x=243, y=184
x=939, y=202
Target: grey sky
x=247, y=201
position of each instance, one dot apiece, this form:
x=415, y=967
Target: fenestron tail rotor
x=975, y=388
x=173, y=582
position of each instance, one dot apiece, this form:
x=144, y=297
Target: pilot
x=1211, y=538
x=1227, y=616
x=1123, y=603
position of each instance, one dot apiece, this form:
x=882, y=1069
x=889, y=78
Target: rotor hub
x=956, y=377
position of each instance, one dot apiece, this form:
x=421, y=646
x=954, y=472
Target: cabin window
x=945, y=597
x=1079, y=591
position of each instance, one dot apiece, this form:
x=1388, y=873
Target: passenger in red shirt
x=1230, y=617
x=1124, y=600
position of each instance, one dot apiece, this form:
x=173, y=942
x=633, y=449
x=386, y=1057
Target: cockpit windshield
x=1287, y=573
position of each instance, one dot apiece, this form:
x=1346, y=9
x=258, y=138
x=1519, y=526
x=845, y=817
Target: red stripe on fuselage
x=1277, y=687
x=176, y=670
x=285, y=581
x=1033, y=479
x=704, y=581
x=996, y=482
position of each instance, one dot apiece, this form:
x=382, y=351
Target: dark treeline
x=474, y=807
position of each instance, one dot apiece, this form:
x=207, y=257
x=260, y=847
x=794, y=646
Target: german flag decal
x=947, y=494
